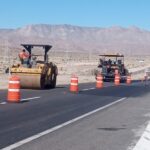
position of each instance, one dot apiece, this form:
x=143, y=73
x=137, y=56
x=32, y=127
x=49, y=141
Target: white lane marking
x=144, y=142
x=110, y=86
x=95, y=88
x=3, y=103
x=88, y=89
x=27, y=140
x=31, y=98
x=25, y=99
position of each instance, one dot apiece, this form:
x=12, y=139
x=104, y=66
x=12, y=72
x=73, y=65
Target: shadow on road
x=111, y=129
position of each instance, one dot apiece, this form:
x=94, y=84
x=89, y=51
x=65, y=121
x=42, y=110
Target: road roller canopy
x=113, y=59
x=112, y=56
x=107, y=55
x=46, y=48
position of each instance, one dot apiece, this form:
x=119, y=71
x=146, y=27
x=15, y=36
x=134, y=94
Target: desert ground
x=82, y=65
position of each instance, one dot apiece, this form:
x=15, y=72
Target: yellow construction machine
x=40, y=75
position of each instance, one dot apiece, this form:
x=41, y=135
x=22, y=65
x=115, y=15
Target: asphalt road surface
x=115, y=127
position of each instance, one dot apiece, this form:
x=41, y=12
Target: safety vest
x=23, y=55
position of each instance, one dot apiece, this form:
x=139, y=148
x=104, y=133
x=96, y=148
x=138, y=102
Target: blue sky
x=91, y=13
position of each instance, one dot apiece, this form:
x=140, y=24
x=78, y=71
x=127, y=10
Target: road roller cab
x=38, y=73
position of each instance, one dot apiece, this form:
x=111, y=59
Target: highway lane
x=116, y=128
x=54, y=107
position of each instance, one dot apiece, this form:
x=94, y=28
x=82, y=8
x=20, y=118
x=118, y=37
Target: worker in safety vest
x=24, y=57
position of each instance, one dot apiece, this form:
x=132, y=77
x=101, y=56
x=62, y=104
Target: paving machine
x=38, y=75
x=110, y=64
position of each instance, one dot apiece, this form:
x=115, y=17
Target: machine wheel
x=42, y=82
x=52, y=82
x=53, y=79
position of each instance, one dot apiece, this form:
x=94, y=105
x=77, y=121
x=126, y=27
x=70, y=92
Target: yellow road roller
x=36, y=74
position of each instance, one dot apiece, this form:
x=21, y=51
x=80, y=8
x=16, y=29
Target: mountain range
x=116, y=39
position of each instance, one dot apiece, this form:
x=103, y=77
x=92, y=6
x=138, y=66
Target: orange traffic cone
x=99, y=81
x=117, y=79
x=74, y=84
x=128, y=81
x=14, y=89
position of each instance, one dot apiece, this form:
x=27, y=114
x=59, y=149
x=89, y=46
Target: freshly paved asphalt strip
x=54, y=107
